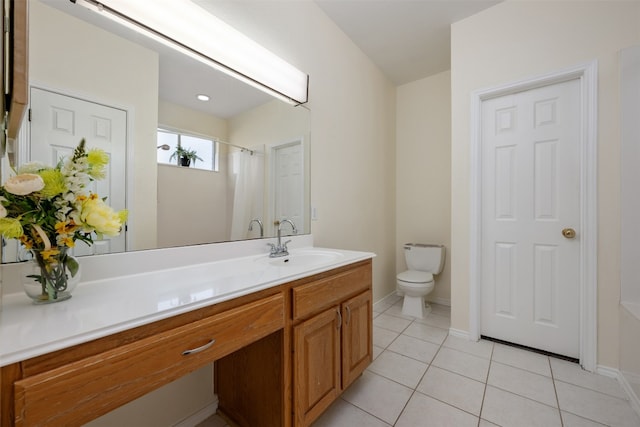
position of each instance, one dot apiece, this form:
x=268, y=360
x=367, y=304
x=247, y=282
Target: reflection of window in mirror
x=204, y=151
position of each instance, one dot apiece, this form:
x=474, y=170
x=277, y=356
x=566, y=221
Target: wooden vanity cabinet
x=282, y=355
x=331, y=346
x=84, y=382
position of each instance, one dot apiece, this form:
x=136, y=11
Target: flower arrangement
x=49, y=208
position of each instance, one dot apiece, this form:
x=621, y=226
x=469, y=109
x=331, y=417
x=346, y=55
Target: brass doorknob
x=569, y=233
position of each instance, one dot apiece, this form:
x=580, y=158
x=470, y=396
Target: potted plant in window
x=184, y=156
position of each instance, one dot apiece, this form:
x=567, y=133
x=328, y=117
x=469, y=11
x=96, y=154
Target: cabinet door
x=316, y=365
x=357, y=337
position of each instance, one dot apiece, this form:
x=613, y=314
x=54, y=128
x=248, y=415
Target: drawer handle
x=348, y=308
x=199, y=349
x=339, y=319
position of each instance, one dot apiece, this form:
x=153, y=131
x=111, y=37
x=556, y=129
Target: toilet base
x=415, y=307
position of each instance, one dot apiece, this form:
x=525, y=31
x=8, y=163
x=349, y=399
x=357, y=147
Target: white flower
x=3, y=211
x=32, y=167
x=24, y=184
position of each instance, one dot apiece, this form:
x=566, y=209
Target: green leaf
x=72, y=265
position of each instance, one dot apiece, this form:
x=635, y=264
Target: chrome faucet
x=259, y=223
x=280, y=249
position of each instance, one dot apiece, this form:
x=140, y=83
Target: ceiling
x=407, y=39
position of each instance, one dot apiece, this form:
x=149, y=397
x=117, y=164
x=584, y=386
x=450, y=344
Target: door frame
x=587, y=74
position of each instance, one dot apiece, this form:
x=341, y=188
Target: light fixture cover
x=190, y=25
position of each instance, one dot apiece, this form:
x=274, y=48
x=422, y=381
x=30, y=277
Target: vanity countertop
x=103, y=307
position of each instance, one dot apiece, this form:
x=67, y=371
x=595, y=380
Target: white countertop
x=103, y=307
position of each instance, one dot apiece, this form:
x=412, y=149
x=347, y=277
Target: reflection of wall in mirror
x=78, y=59
x=270, y=125
x=193, y=204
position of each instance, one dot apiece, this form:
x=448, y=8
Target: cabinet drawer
x=81, y=391
x=323, y=293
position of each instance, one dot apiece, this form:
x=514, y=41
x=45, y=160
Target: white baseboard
x=459, y=333
x=198, y=417
x=625, y=379
x=384, y=301
x=607, y=371
x=441, y=301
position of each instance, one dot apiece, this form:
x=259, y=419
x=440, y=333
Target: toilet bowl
x=417, y=282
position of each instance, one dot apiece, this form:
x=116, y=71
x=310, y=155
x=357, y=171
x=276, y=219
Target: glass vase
x=51, y=276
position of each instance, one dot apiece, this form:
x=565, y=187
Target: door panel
x=357, y=341
x=58, y=123
x=289, y=185
x=531, y=192
x=316, y=366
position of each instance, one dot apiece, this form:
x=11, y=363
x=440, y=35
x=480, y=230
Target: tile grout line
x=366, y=412
x=486, y=383
x=555, y=390
x=419, y=381
x=429, y=365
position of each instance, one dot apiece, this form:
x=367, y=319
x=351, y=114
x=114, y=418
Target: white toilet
x=423, y=261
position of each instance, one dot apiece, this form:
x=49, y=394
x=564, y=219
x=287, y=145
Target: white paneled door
x=58, y=123
x=530, y=255
x=289, y=184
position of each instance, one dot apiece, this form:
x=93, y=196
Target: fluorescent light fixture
x=202, y=97
x=188, y=28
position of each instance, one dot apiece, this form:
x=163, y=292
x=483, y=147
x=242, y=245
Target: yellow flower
x=102, y=218
x=123, y=215
x=97, y=160
x=68, y=242
x=24, y=184
x=66, y=227
x=46, y=254
x=26, y=241
x=54, y=183
x=11, y=228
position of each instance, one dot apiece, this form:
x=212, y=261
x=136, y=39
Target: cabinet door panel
x=357, y=345
x=316, y=365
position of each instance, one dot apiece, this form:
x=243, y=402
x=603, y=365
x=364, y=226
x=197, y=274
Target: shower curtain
x=247, y=170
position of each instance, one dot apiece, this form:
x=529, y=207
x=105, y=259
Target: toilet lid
x=413, y=276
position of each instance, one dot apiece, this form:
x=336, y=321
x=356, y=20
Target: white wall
x=352, y=128
x=630, y=174
x=423, y=171
x=630, y=219
x=514, y=40
x=192, y=203
x=59, y=48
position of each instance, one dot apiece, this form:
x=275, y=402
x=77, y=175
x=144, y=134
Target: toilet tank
x=424, y=257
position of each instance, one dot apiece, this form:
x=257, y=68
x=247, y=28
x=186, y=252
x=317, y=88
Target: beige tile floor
x=421, y=376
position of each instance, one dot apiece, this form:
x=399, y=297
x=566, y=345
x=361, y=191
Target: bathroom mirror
x=80, y=59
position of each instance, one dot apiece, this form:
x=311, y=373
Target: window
x=205, y=149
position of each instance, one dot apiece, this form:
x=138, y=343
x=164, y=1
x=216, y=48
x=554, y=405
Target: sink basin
x=303, y=258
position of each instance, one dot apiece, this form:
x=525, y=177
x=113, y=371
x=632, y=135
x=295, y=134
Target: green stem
x=53, y=276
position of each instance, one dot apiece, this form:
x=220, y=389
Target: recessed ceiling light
x=202, y=97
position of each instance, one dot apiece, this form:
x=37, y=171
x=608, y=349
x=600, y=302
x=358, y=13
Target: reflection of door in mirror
x=288, y=181
x=58, y=123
